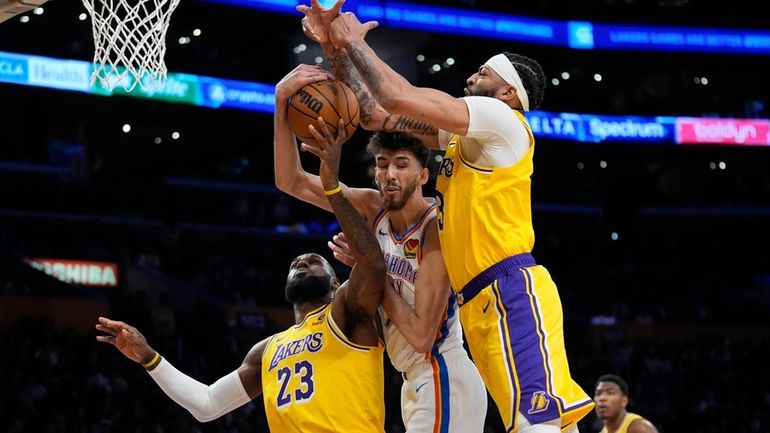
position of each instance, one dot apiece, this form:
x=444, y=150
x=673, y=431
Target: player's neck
x=614, y=424
x=301, y=309
x=409, y=215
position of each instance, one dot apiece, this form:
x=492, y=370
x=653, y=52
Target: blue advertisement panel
x=461, y=21
x=222, y=93
x=13, y=68
x=686, y=39
x=592, y=128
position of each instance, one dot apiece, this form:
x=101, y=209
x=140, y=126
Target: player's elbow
x=203, y=418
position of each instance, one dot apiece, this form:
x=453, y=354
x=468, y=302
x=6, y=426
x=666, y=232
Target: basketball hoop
x=130, y=41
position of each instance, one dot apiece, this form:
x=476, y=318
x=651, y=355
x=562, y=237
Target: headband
x=504, y=68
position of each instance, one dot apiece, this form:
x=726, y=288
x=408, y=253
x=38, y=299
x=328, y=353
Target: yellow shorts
x=514, y=329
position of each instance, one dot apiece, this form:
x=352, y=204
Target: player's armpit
x=250, y=371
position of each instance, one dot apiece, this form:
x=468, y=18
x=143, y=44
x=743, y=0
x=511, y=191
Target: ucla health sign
x=13, y=68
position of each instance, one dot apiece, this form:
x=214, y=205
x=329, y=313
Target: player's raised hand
x=298, y=78
x=341, y=249
x=347, y=28
x=317, y=19
x=126, y=338
x=329, y=150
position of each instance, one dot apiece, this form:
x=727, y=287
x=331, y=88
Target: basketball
x=330, y=99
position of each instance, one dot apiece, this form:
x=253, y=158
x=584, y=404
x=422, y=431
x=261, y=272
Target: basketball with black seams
x=330, y=99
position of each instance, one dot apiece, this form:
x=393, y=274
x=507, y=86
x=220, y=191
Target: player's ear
x=424, y=176
x=335, y=283
x=506, y=93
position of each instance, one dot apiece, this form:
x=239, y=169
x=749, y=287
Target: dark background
x=678, y=305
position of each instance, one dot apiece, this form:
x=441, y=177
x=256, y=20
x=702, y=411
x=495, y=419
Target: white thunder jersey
x=403, y=253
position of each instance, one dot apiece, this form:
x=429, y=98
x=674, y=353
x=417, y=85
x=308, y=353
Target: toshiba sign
x=80, y=272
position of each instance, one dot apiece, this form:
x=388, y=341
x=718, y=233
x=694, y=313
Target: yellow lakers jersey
x=627, y=420
x=484, y=213
x=315, y=380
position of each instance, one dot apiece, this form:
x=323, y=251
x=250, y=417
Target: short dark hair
x=532, y=76
x=616, y=380
x=380, y=141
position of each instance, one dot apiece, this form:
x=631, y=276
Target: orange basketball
x=330, y=99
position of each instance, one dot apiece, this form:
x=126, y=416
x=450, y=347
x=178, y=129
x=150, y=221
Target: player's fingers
x=107, y=330
x=130, y=336
x=312, y=149
x=326, y=130
x=106, y=339
x=337, y=6
x=320, y=138
x=340, y=238
x=342, y=132
x=303, y=9
x=370, y=25
x=316, y=4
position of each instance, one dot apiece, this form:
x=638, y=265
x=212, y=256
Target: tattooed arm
x=394, y=93
x=356, y=301
x=373, y=117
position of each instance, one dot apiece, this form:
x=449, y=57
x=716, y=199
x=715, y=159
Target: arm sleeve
x=502, y=137
x=204, y=402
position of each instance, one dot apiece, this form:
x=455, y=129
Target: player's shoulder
x=641, y=425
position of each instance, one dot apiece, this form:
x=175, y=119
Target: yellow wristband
x=333, y=191
x=155, y=360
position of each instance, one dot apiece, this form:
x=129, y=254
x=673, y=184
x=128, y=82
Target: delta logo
x=411, y=248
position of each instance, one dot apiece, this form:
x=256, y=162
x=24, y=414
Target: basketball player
x=332, y=355
x=442, y=390
x=611, y=397
x=510, y=308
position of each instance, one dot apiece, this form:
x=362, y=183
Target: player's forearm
x=383, y=82
x=363, y=245
x=420, y=332
x=286, y=156
x=204, y=402
x=373, y=116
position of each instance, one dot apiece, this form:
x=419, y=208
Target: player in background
x=611, y=398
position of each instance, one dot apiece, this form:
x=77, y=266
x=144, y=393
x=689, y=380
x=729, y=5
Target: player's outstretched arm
x=392, y=91
x=357, y=301
x=290, y=177
x=204, y=402
x=419, y=325
x=373, y=117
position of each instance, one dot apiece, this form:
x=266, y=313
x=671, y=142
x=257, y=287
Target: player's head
x=610, y=396
x=400, y=167
x=514, y=79
x=311, y=279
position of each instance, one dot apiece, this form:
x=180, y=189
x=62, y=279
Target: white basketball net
x=130, y=41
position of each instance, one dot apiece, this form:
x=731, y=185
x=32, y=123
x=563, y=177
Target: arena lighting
x=74, y=75
x=572, y=34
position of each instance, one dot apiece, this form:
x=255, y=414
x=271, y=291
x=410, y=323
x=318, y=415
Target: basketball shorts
x=444, y=394
x=512, y=319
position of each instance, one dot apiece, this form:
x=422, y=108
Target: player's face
x=609, y=399
x=485, y=82
x=309, y=278
x=397, y=175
